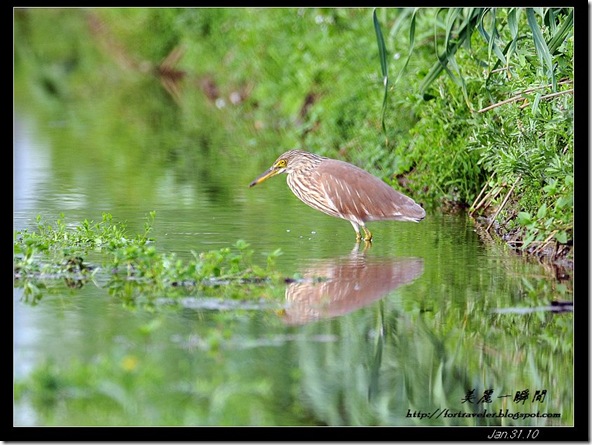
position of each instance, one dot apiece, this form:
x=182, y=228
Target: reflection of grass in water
x=131, y=390
x=431, y=360
x=210, y=376
x=423, y=352
x=218, y=378
x=114, y=127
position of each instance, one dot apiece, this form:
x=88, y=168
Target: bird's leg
x=367, y=234
x=357, y=229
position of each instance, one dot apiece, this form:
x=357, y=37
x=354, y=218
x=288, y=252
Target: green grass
x=444, y=103
x=477, y=100
x=500, y=117
x=132, y=265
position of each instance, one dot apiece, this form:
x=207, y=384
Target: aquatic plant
x=130, y=266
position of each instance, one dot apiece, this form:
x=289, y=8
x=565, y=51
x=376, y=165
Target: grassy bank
x=477, y=114
x=498, y=112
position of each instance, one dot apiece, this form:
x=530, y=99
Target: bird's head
x=287, y=163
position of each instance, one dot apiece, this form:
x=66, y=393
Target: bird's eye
x=281, y=163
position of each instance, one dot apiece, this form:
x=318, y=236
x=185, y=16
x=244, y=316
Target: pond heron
x=343, y=190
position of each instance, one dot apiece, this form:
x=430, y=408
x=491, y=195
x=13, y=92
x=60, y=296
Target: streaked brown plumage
x=343, y=190
x=347, y=284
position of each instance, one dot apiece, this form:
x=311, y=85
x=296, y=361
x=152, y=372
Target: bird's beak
x=265, y=176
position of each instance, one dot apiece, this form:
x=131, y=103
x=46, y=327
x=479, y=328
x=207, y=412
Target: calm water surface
x=375, y=336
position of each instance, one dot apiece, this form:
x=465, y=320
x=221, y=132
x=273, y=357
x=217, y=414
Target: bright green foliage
x=365, y=85
x=512, y=122
x=133, y=267
x=531, y=141
x=312, y=78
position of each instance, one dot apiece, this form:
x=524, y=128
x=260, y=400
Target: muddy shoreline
x=555, y=257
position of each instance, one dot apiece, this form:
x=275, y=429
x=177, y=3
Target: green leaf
x=411, y=45
x=535, y=103
x=551, y=188
x=561, y=237
x=541, y=46
x=542, y=211
x=450, y=19
x=549, y=222
x=550, y=20
x=524, y=218
x=513, y=15
x=464, y=33
x=564, y=201
x=562, y=33
x=381, y=45
x=490, y=39
x=383, y=65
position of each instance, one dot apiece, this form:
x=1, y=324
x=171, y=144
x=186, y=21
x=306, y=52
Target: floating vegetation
x=130, y=267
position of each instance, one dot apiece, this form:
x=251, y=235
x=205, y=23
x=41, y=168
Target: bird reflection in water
x=331, y=288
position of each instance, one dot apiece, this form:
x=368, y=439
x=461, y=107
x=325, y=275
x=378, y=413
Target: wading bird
x=343, y=190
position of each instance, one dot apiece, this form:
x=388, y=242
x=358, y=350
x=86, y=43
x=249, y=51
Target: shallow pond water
x=427, y=326
x=357, y=335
